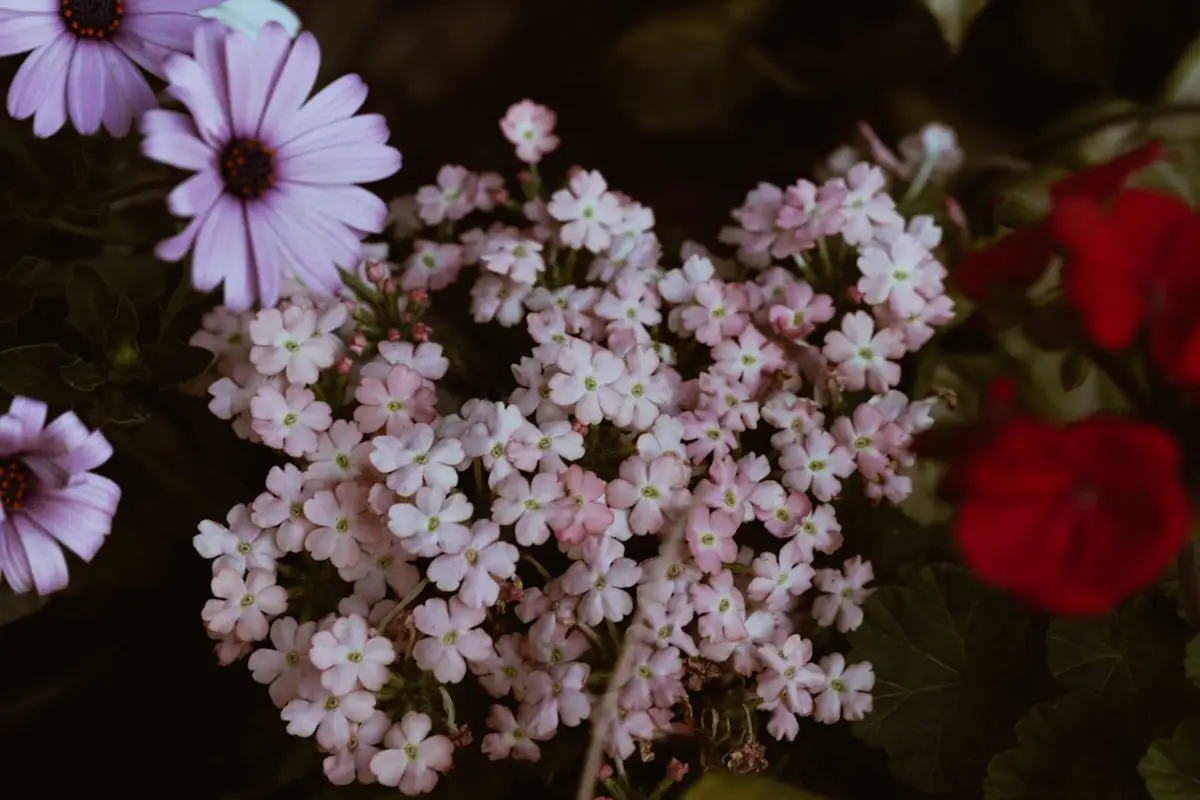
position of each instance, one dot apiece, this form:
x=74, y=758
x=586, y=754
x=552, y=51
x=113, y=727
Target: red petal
x=1018, y=260
x=1101, y=181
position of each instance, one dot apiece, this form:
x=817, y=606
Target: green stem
x=403, y=604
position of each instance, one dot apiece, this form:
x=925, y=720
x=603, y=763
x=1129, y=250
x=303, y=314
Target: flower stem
x=403, y=604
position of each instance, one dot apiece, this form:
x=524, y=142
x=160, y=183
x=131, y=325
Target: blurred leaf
x=1040, y=390
x=173, y=363
x=33, y=370
x=727, y=786
x=139, y=275
x=1067, y=750
x=1191, y=666
x=1075, y=41
x=949, y=655
x=1183, y=84
x=90, y=306
x=954, y=17
x=683, y=71
x=1171, y=768
x=83, y=375
x=15, y=301
x=115, y=408
x=1131, y=658
x=15, y=606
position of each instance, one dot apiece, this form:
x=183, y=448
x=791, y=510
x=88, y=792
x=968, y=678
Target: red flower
x=1020, y=258
x=1073, y=519
x=1138, y=263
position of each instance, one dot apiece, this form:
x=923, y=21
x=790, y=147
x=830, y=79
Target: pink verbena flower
x=531, y=128
x=49, y=496
x=412, y=758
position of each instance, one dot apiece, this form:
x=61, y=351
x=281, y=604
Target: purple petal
x=78, y=526
x=139, y=7
x=348, y=163
x=343, y=246
x=162, y=121
x=14, y=564
x=241, y=276
x=196, y=195
x=36, y=554
x=129, y=93
x=171, y=32
x=295, y=81
x=148, y=55
x=209, y=50
x=12, y=437
x=41, y=75
x=86, y=86
x=221, y=246
x=29, y=6
x=257, y=63
x=194, y=88
x=350, y=205
x=29, y=413
x=307, y=251
x=20, y=34
x=87, y=455
x=338, y=100
x=365, y=129
x=176, y=247
x=267, y=257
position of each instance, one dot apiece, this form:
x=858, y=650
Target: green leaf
x=1067, y=750
x=1073, y=371
x=173, y=363
x=83, y=375
x=1130, y=659
x=1183, y=84
x=1191, y=666
x=954, y=17
x=90, y=305
x=33, y=371
x=15, y=606
x=949, y=655
x=727, y=786
x=1171, y=768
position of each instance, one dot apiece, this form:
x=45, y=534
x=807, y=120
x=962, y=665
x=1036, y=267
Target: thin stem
x=1189, y=584
x=403, y=604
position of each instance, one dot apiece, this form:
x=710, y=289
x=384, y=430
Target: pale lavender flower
x=274, y=189
x=85, y=58
x=49, y=498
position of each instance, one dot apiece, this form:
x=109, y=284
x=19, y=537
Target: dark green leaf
x=1132, y=659
x=1171, y=768
x=83, y=375
x=118, y=409
x=125, y=322
x=1183, y=84
x=1191, y=665
x=90, y=305
x=1068, y=750
x=15, y=606
x=15, y=301
x=141, y=276
x=33, y=371
x=173, y=363
x=950, y=656
x=954, y=17
x=727, y=786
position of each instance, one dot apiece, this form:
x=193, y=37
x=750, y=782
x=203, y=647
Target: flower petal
x=20, y=34
x=340, y=165
x=257, y=63
x=87, y=91
x=339, y=100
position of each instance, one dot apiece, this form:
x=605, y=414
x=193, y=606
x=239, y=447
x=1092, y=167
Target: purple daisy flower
x=274, y=190
x=86, y=55
x=49, y=499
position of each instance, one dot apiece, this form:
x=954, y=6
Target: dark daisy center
x=92, y=19
x=248, y=168
x=15, y=483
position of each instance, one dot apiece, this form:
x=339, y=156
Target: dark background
x=684, y=105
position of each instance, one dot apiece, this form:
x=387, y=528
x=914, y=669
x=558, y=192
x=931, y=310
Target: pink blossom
x=349, y=656
x=870, y=437
x=818, y=531
x=240, y=546
x=713, y=315
x=343, y=524
x=340, y=455
x=656, y=678
x=779, y=580
x=432, y=266
x=866, y=204
x=411, y=758
x=800, y=311
x=844, y=593
x=242, y=606
x=474, y=570
x=530, y=127
x=790, y=675
x=416, y=458
x=286, y=667
x=452, y=638
x=450, y=199
x=748, y=357
x=506, y=671
x=328, y=715
x=288, y=341
x=600, y=580
x=581, y=513
x=352, y=762
x=588, y=210
x=425, y=358
x=585, y=381
x=862, y=355
x=515, y=257
x=432, y=523
x=727, y=489
x=282, y=505
x=289, y=421
x=819, y=465
x=396, y=403
x=649, y=489
x=902, y=275
x=556, y=695
x=721, y=608
x=527, y=502
x=511, y=739
x=847, y=691
x=546, y=447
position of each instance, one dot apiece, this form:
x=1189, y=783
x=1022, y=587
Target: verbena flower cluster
x=661, y=480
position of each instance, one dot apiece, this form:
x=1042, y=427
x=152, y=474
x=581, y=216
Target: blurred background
x=683, y=104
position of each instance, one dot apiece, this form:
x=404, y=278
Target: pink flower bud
x=393, y=335
x=358, y=344
x=376, y=272
x=676, y=769
x=854, y=294
x=573, y=171
x=525, y=176
x=419, y=296
x=421, y=332
x=579, y=427
x=604, y=773
x=389, y=286
x=342, y=365
x=500, y=196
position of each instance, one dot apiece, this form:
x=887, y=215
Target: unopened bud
x=376, y=272
x=393, y=335
x=421, y=332
x=342, y=365
x=676, y=769
x=419, y=295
